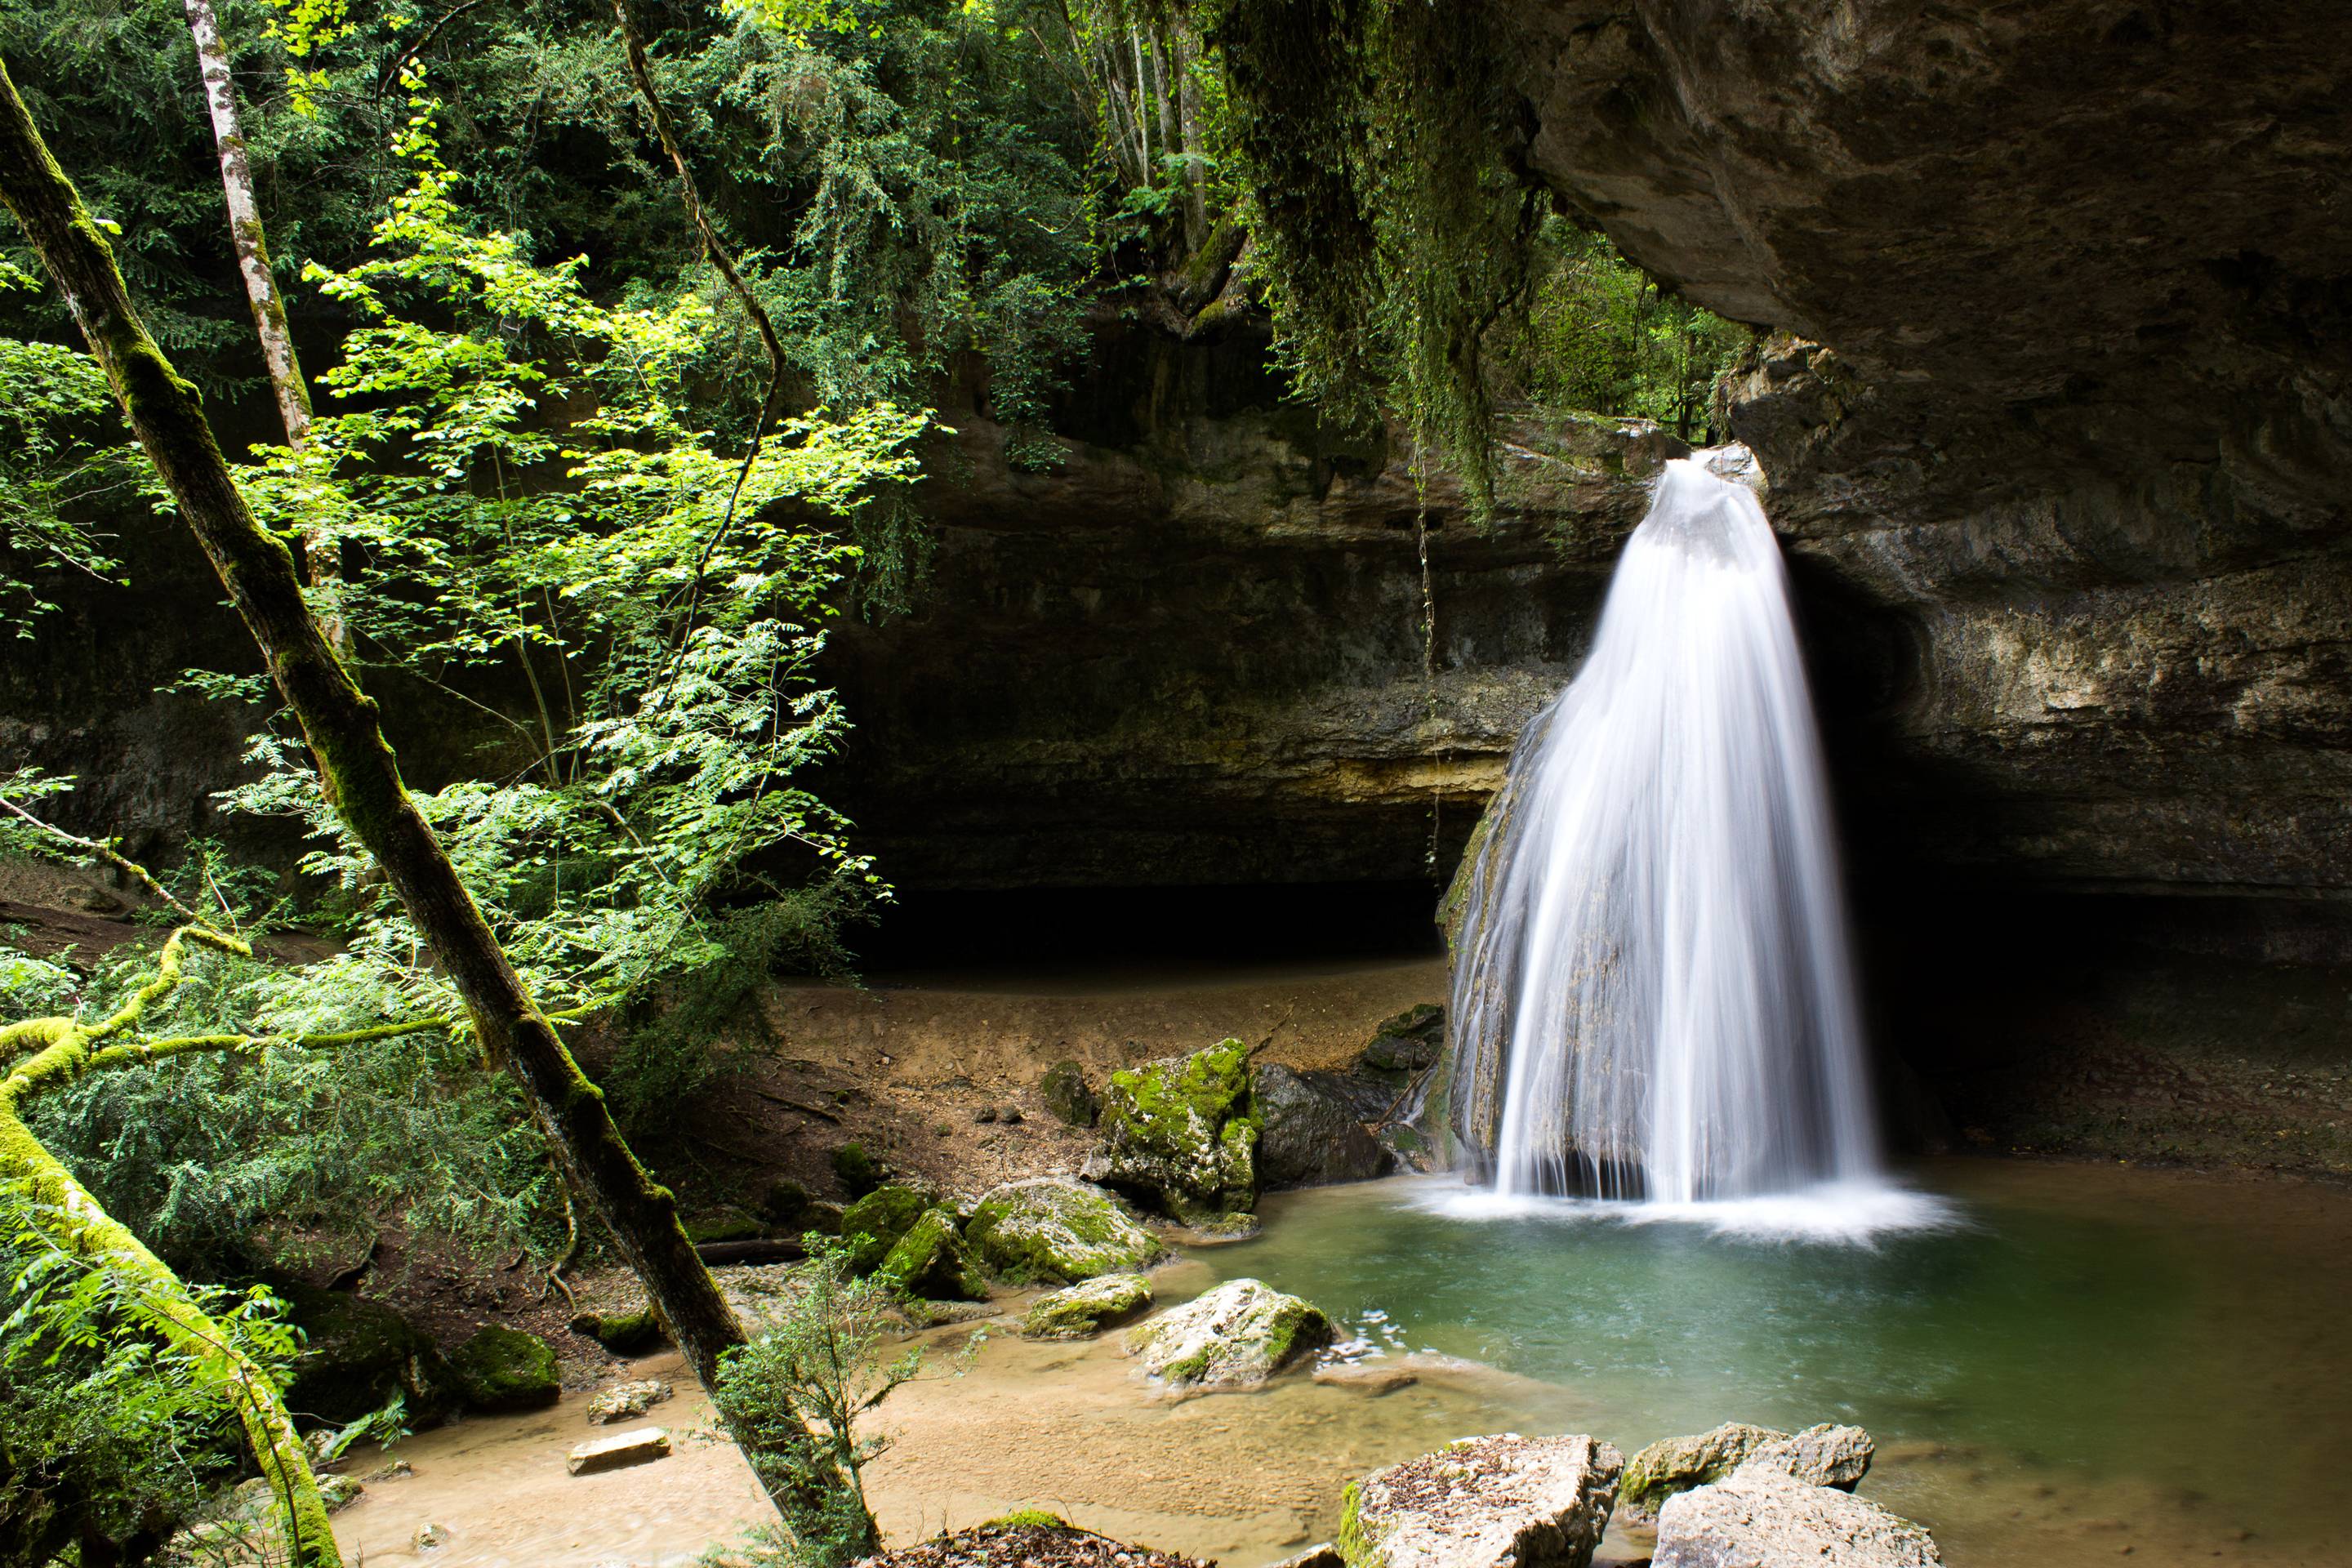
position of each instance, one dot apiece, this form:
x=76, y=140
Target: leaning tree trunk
x=361, y=777
x=246, y=238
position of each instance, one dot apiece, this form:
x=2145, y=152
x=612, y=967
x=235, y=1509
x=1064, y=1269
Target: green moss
x=357, y=1354
x=1354, y=1542
x=1188, y=1369
x=859, y=1171
x=1057, y=1231
x=1080, y=1311
x=931, y=1260
x=623, y=1333
x=875, y=1223
x=505, y=1369
x=1027, y=1518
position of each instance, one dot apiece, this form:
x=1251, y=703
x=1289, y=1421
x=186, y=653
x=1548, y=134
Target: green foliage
x=536, y=500
x=61, y=458
x=1392, y=229
x=1600, y=337
x=825, y=1358
x=105, y=1433
x=225, y=1163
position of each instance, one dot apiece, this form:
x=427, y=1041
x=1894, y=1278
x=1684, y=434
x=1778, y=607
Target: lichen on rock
x=1762, y=1517
x=1484, y=1502
x=1823, y=1455
x=1237, y=1336
x=1181, y=1134
x=1078, y=1311
x=1050, y=1229
x=1675, y=1465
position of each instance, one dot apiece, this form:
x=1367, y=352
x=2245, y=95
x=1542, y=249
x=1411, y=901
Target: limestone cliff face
x=1192, y=652
x=2061, y=433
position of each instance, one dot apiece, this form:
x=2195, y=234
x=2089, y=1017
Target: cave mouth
x=1108, y=932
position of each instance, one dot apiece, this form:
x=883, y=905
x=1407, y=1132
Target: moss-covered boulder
x=875, y=1223
x=629, y=1330
x=1051, y=1228
x=1069, y=1095
x=1674, y=1465
x=931, y=1260
x=1079, y=1311
x=1237, y=1336
x=723, y=1225
x=1180, y=1135
x=505, y=1369
x=356, y=1354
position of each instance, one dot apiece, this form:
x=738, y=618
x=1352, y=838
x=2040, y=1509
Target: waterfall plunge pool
x=2096, y=1363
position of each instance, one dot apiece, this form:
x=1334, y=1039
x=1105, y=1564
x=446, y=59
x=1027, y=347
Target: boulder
x=1179, y=1134
x=356, y=1354
x=1371, y=1377
x=875, y=1223
x=931, y=1260
x=1237, y=1336
x=505, y=1369
x=723, y=1225
x=1410, y=1042
x=1308, y=1137
x=1821, y=1456
x=1675, y=1465
x=638, y=1446
x=1054, y=1229
x=1077, y=1312
x=626, y=1401
x=1504, y=1501
x=627, y=1329
x=1069, y=1095
x=1760, y=1519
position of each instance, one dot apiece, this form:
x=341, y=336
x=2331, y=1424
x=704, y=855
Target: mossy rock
x=505, y=1369
x=1050, y=1229
x=1237, y=1336
x=623, y=1333
x=1069, y=1095
x=1181, y=1134
x=785, y=1204
x=932, y=1261
x=1078, y=1311
x=859, y=1171
x=1410, y=1042
x=872, y=1226
x=1675, y=1465
x=723, y=1225
x=356, y=1354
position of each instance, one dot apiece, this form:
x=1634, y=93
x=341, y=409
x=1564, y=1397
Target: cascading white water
x=1653, y=996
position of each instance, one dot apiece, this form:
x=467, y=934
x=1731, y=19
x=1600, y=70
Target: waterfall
x=1652, y=993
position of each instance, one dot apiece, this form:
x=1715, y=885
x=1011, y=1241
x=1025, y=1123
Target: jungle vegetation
x=421, y=341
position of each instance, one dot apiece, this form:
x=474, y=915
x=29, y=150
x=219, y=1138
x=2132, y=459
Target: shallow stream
x=2090, y=1363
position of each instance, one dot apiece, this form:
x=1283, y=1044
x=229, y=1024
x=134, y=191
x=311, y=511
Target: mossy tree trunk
x=361, y=775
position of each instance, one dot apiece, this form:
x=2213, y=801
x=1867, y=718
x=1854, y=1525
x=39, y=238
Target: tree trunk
x=361, y=777
x=248, y=238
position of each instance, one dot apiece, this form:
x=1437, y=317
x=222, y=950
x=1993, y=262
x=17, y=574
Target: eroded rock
x=1675, y=1465
x=1237, y=1336
x=1078, y=1311
x=626, y=1401
x=1823, y=1455
x=1484, y=1502
x=1051, y=1228
x=1758, y=1519
x=617, y=1450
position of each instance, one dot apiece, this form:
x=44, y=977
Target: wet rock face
x=1192, y=653
x=2060, y=460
